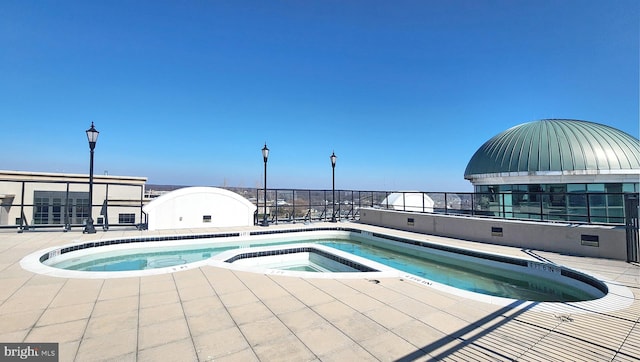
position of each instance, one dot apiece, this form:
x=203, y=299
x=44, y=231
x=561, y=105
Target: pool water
x=303, y=268
x=116, y=261
x=467, y=275
x=475, y=277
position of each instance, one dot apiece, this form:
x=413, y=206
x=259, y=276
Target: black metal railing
x=290, y=205
x=303, y=205
x=69, y=208
x=65, y=205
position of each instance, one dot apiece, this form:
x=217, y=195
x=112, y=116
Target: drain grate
x=563, y=317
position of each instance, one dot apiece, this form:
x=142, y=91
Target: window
x=41, y=210
x=57, y=211
x=613, y=188
x=596, y=200
x=82, y=210
x=126, y=218
x=206, y=218
x=595, y=187
x=57, y=207
x=629, y=187
x=576, y=188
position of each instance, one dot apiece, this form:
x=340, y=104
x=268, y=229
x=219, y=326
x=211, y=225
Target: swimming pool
x=428, y=263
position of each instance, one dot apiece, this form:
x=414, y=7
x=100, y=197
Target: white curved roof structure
x=408, y=201
x=199, y=207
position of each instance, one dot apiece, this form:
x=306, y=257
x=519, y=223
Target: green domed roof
x=562, y=145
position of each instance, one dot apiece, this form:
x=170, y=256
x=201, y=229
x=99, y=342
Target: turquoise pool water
x=474, y=277
x=466, y=275
x=150, y=258
x=140, y=260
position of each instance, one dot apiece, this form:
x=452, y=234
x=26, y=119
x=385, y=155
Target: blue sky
x=404, y=92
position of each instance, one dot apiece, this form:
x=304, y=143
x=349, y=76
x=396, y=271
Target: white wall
x=186, y=208
x=122, y=190
x=555, y=237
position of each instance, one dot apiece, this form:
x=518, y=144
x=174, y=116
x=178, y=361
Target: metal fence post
x=632, y=225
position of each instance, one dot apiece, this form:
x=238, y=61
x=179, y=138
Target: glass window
x=595, y=187
x=614, y=200
x=579, y=200
x=616, y=212
x=82, y=210
x=482, y=188
x=577, y=212
x=41, y=212
x=534, y=188
x=613, y=188
x=576, y=187
x=520, y=188
x=549, y=212
x=483, y=202
x=595, y=219
x=557, y=199
x=560, y=188
x=61, y=207
x=57, y=211
x=597, y=201
x=127, y=218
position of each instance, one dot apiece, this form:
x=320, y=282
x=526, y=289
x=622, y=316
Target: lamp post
x=333, y=187
x=92, y=137
x=265, y=156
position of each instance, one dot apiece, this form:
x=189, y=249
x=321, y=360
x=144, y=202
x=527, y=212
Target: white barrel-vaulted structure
x=199, y=207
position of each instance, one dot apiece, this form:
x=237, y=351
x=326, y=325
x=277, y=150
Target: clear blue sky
x=404, y=92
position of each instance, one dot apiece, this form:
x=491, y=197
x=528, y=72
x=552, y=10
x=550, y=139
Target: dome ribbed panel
x=556, y=145
x=534, y=152
x=568, y=160
x=523, y=149
x=546, y=149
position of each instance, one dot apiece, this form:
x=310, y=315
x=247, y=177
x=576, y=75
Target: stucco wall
x=124, y=193
x=582, y=240
x=190, y=207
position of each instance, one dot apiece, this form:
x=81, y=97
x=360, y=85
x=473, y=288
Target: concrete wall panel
x=582, y=240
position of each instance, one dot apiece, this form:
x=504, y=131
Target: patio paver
x=210, y=313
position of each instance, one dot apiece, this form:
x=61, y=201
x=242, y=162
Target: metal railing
x=291, y=205
x=69, y=208
x=305, y=206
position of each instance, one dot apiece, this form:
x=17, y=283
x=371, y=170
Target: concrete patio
x=217, y=314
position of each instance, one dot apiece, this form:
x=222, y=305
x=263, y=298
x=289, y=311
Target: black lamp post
x=333, y=187
x=265, y=156
x=92, y=136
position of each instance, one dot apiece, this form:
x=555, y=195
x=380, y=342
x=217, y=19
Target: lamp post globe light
x=92, y=137
x=265, y=156
x=333, y=158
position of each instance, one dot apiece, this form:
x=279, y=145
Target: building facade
x=33, y=199
x=572, y=170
